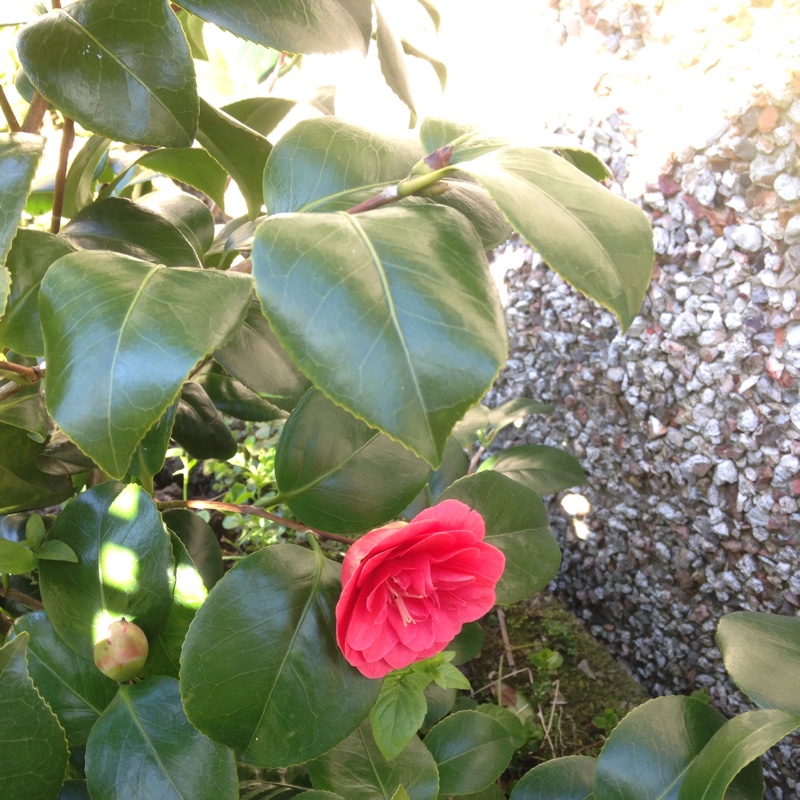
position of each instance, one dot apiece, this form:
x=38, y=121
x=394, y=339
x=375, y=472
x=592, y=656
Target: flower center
x=399, y=598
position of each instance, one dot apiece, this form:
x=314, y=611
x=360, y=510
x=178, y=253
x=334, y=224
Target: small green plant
x=606, y=721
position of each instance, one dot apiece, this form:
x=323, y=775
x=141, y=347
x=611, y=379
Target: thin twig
x=67, y=139
x=26, y=600
x=388, y=195
x=35, y=116
x=473, y=464
x=253, y=511
x=501, y=621
x=8, y=113
x=546, y=730
x=10, y=389
x=31, y=374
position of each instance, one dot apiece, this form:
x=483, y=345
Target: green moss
x=558, y=705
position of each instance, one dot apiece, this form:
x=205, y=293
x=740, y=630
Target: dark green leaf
x=398, y=713
x=597, y=241
x=57, y=551
x=586, y=161
x=122, y=226
x=22, y=484
x=125, y=566
x=74, y=790
x=340, y=475
x=736, y=744
x=106, y=391
x=439, y=702
x=255, y=358
x=15, y=558
x=144, y=740
x=26, y=410
x=435, y=132
x=32, y=252
x=321, y=158
x=19, y=157
x=454, y=466
x=491, y=792
x=62, y=457
x=468, y=644
x=314, y=794
x=200, y=542
x=362, y=315
x=71, y=684
x=438, y=66
x=190, y=215
x=199, y=429
x=516, y=523
x=357, y=770
x=509, y=720
x=235, y=235
x=262, y=114
x=568, y=778
x=481, y=420
x=234, y=398
x=471, y=750
x=189, y=594
x=33, y=744
x=539, y=467
x=393, y=65
x=762, y=654
x=298, y=26
x=240, y=150
x=79, y=185
x=150, y=453
x=648, y=753
x=102, y=62
x=272, y=618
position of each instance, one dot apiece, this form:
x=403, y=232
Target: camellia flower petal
x=407, y=589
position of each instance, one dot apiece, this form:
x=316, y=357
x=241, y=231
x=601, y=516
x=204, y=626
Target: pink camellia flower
x=407, y=590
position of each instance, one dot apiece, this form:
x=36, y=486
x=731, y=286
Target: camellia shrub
x=353, y=306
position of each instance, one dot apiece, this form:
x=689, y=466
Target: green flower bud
x=122, y=654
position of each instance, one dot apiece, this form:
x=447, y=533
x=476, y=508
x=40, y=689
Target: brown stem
x=501, y=621
x=67, y=139
x=8, y=113
x=35, y=116
x=56, y=3
x=9, y=390
x=31, y=374
x=245, y=267
x=473, y=464
x=29, y=602
x=388, y=195
x=253, y=511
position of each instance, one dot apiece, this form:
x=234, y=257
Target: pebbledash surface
x=688, y=426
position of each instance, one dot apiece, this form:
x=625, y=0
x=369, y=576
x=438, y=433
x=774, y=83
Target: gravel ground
x=688, y=426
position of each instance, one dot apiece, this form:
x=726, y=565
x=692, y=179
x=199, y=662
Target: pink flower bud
x=122, y=654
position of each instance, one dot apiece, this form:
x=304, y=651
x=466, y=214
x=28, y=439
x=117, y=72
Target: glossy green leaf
x=648, y=753
x=262, y=114
x=189, y=593
x=586, y=161
x=32, y=742
x=315, y=794
x=762, y=654
x=481, y=420
x=240, y=150
x=272, y=617
x=234, y=398
x=455, y=465
x=19, y=156
x=144, y=740
x=393, y=65
x=439, y=67
x=235, y=235
x=471, y=750
x=541, y=468
x=362, y=315
x=439, y=702
x=61, y=456
x=193, y=166
x=516, y=523
x=468, y=644
x=319, y=159
x=22, y=484
x=15, y=558
x=102, y=63
x=189, y=214
x=79, y=185
x=32, y=252
x=122, y=226
x=297, y=26
x=568, y=778
x=199, y=428
x=594, y=239
x=398, y=713
x=255, y=358
x=509, y=720
x=106, y=390
x=151, y=452
x=57, y=551
x=193, y=28
x=26, y=410
x=435, y=132
x=491, y=792
x=125, y=566
x=71, y=684
x=736, y=744
x=200, y=542
x=338, y=474
x=357, y=770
